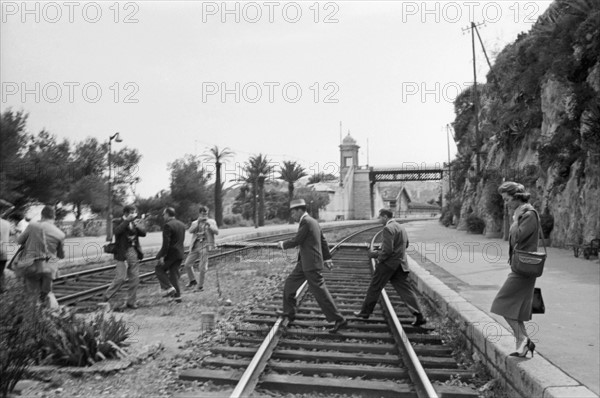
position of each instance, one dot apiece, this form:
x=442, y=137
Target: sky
x=284, y=79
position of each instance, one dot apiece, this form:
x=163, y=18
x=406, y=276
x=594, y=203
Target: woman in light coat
x=514, y=299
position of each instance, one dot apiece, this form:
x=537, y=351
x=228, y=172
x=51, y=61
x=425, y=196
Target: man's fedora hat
x=297, y=203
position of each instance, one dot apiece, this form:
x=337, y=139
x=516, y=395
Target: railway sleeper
x=319, y=369
x=312, y=356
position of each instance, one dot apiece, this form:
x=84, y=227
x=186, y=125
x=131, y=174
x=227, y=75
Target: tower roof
x=348, y=140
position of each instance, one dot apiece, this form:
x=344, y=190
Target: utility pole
x=449, y=168
x=474, y=97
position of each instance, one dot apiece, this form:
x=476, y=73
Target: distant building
x=350, y=197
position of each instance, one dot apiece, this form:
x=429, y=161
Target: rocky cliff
x=538, y=124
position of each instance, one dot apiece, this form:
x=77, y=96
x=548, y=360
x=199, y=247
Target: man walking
x=43, y=242
x=203, y=232
x=392, y=266
x=127, y=230
x=170, y=255
x=314, y=252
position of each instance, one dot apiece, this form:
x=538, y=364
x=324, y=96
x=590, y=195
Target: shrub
x=21, y=318
x=93, y=228
x=73, y=341
x=446, y=218
x=475, y=224
x=547, y=223
x=78, y=229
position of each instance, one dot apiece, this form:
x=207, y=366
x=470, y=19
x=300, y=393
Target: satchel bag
x=22, y=261
x=110, y=247
x=530, y=263
x=537, y=305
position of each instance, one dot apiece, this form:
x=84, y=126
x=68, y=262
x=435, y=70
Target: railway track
x=83, y=289
x=381, y=356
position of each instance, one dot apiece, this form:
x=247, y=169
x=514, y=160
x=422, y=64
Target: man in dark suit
x=392, y=266
x=170, y=255
x=314, y=253
x=127, y=230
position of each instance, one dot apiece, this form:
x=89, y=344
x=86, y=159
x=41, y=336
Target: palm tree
x=217, y=155
x=257, y=169
x=291, y=172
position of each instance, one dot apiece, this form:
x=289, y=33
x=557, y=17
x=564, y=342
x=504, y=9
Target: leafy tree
x=291, y=172
x=13, y=138
x=257, y=170
x=321, y=177
x=87, y=187
x=188, y=186
x=243, y=203
x=125, y=167
x=218, y=155
x=152, y=207
x=45, y=165
x=315, y=200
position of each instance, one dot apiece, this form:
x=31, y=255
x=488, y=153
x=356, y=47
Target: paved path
x=568, y=335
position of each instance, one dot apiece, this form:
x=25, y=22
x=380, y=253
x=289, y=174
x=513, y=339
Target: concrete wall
x=362, y=195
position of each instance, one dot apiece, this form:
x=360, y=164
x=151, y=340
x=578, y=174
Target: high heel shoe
x=527, y=346
x=522, y=351
x=531, y=346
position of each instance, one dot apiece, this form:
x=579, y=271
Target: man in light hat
x=314, y=253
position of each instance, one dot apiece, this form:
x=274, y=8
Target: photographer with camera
x=127, y=230
x=203, y=232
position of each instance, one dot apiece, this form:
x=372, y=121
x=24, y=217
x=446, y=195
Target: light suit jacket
x=393, y=247
x=205, y=233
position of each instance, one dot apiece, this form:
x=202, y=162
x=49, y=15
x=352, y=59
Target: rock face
x=539, y=124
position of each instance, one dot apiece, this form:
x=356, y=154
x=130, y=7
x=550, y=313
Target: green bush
x=475, y=225
x=30, y=334
x=74, y=341
x=547, y=223
x=21, y=320
x=446, y=217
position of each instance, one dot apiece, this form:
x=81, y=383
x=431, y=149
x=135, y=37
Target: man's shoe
x=132, y=306
x=360, y=314
x=420, y=320
x=177, y=299
x=200, y=288
x=191, y=284
x=170, y=292
x=338, y=325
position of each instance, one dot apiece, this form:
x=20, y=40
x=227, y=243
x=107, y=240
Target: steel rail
x=88, y=293
x=423, y=385
x=249, y=379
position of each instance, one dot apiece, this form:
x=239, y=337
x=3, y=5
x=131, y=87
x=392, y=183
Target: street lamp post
x=109, y=232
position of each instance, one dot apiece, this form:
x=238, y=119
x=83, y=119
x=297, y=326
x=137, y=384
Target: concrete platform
x=463, y=272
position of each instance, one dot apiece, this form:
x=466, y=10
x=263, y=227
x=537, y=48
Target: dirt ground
x=173, y=333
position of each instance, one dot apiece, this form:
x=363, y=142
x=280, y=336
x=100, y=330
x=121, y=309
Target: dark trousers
x=171, y=268
x=2, y=280
x=38, y=281
x=316, y=285
x=399, y=280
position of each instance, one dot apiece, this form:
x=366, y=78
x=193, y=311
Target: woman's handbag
x=537, y=305
x=530, y=263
